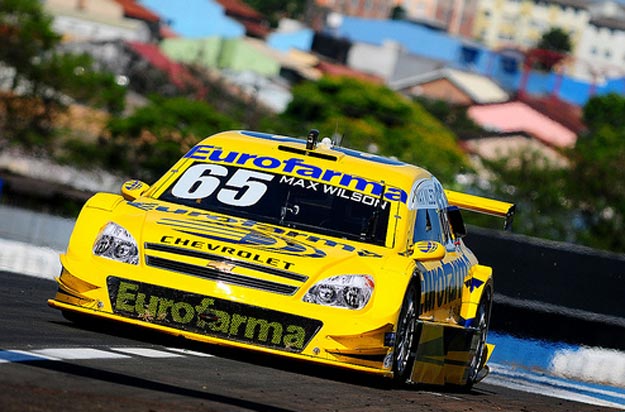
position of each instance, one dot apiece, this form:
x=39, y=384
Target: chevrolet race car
x=292, y=247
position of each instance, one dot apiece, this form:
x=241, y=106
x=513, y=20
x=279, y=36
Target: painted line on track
x=533, y=382
x=146, y=352
x=575, y=372
x=114, y=352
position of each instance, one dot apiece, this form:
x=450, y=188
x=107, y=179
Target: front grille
x=216, y=275
x=217, y=258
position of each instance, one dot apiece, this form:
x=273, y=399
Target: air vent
x=305, y=152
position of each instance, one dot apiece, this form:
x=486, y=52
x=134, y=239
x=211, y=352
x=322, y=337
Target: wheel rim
x=405, y=337
x=482, y=325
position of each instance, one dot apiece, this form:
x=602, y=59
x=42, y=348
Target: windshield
x=290, y=201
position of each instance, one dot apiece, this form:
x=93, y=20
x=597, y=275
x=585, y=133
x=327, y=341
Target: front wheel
x=481, y=322
x=406, y=336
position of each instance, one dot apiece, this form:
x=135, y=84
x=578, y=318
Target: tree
x=583, y=202
x=277, y=9
x=373, y=117
x=555, y=39
x=454, y=117
x=553, y=47
x=538, y=187
x=41, y=80
x=146, y=143
x=398, y=13
x=597, y=177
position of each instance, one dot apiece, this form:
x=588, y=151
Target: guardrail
x=554, y=290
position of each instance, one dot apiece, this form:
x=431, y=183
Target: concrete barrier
x=554, y=290
x=35, y=228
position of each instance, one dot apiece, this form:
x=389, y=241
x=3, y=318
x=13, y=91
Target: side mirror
x=133, y=189
x=428, y=250
x=457, y=223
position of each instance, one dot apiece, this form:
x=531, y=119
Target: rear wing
x=482, y=205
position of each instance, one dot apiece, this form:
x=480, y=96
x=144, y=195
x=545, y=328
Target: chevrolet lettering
x=293, y=247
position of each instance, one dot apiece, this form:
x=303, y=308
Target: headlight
x=114, y=242
x=345, y=291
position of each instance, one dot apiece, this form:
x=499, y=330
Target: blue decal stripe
x=218, y=229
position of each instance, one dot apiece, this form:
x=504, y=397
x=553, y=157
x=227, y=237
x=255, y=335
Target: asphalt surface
x=138, y=371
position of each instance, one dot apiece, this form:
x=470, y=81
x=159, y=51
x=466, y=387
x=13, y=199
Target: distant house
x=256, y=25
x=291, y=34
x=455, y=16
x=453, y=86
x=196, y=18
x=134, y=10
x=376, y=9
x=84, y=20
x=339, y=70
x=567, y=114
x=142, y=66
x=518, y=117
x=526, y=127
x=511, y=146
x=236, y=54
x=176, y=73
x=390, y=61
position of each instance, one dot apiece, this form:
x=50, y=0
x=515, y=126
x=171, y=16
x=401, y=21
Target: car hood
x=205, y=238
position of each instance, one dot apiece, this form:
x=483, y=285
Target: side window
x=431, y=221
x=428, y=226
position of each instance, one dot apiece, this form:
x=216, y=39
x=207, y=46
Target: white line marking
x=79, y=353
x=555, y=388
x=191, y=352
x=146, y=352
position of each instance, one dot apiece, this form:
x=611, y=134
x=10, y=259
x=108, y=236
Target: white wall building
x=80, y=20
x=601, y=51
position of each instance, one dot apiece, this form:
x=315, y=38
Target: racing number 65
x=202, y=180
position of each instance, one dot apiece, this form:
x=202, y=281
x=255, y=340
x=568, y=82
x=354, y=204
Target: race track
x=49, y=364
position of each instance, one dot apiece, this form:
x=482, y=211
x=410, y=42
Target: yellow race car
x=294, y=247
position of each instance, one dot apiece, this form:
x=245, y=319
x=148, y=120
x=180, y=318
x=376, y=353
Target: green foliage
x=274, y=10
x=26, y=34
x=583, y=202
x=555, y=39
x=454, y=117
x=369, y=115
x=398, y=13
x=45, y=78
x=539, y=188
x=605, y=110
x=146, y=143
x=597, y=176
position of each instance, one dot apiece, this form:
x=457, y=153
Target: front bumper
x=215, y=320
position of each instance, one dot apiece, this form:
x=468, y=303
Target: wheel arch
x=479, y=278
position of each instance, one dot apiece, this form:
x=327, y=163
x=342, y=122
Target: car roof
x=372, y=166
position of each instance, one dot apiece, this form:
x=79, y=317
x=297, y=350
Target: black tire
x=482, y=321
x=407, y=336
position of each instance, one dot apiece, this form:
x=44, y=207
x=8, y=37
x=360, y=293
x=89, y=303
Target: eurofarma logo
x=210, y=316
x=296, y=167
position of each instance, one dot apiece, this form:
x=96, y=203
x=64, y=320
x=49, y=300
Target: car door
x=441, y=280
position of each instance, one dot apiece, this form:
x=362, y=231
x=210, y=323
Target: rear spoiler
x=482, y=205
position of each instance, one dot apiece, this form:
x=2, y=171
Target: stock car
x=294, y=247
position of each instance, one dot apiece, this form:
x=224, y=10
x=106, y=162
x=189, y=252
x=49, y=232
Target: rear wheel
x=481, y=322
x=406, y=337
